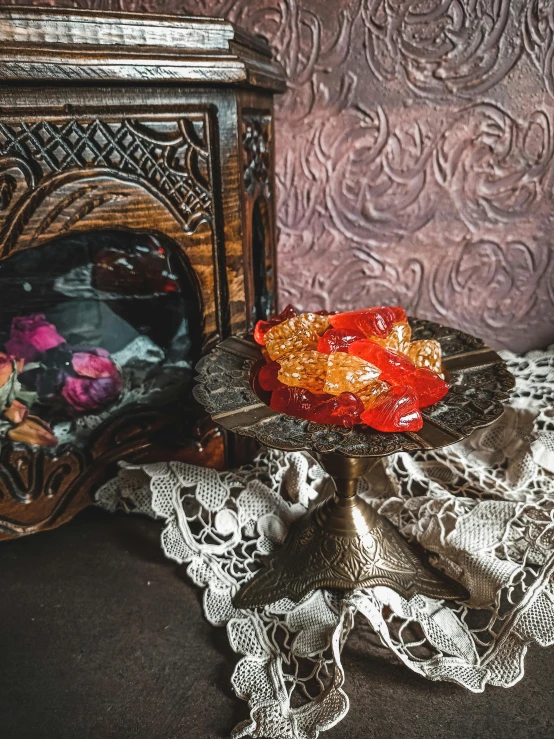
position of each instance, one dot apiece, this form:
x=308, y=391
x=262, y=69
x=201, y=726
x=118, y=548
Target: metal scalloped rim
x=224, y=389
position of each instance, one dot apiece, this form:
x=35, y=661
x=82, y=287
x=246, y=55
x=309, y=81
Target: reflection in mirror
x=90, y=324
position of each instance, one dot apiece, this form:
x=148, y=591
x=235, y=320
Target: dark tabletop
x=101, y=636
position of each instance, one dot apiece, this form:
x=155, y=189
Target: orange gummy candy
x=307, y=370
x=348, y=374
x=426, y=353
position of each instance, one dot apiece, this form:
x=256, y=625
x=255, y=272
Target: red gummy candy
x=262, y=327
x=395, y=368
x=338, y=340
x=370, y=321
x=399, y=370
x=267, y=376
x=430, y=388
x=399, y=313
x=296, y=401
x=397, y=411
x=342, y=410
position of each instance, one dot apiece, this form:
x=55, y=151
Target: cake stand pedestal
x=343, y=543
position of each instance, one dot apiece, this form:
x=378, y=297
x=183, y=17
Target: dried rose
x=32, y=335
x=16, y=412
x=98, y=382
x=33, y=430
x=6, y=368
x=45, y=378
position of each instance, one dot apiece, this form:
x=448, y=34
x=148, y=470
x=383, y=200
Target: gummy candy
x=338, y=340
x=347, y=374
x=370, y=321
x=295, y=335
x=267, y=376
x=370, y=394
x=426, y=353
x=363, y=369
x=399, y=338
x=318, y=321
x=399, y=370
x=303, y=340
x=397, y=410
x=430, y=388
x=262, y=327
x=307, y=369
x=399, y=313
x=342, y=410
x=393, y=366
x=296, y=401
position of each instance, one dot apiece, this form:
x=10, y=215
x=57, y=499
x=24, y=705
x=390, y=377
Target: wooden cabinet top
x=48, y=44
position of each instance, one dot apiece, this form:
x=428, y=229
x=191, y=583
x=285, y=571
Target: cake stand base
x=343, y=544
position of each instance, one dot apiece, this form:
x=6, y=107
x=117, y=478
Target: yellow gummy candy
x=426, y=353
x=399, y=338
x=348, y=374
x=307, y=370
x=370, y=394
x=295, y=335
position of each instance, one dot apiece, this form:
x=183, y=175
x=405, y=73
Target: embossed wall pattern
x=415, y=155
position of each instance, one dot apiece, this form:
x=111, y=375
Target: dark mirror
x=90, y=324
x=263, y=296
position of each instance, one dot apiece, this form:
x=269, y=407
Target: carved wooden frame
x=166, y=158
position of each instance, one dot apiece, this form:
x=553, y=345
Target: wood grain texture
x=131, y=47
x=414, y=155
x=167, y=159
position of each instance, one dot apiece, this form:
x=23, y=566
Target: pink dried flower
x=32, y=335
x=98, y=382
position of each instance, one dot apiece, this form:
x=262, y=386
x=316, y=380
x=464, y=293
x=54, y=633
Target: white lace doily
x=484, y=508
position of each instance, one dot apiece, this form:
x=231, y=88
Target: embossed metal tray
x=479, y=383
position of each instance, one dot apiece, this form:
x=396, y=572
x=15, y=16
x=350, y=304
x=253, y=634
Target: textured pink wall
x=415, y=155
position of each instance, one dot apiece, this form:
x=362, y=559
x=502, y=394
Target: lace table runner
x=484, y=508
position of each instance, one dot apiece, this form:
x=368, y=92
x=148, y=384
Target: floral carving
x=414, y=156
x=442, y=48
x=170, y=157
x=492, y=284
x=493, y=167
x=306, y=43
x=539, y=37
x=257, y=145
x=7, y=189
x=377, y=182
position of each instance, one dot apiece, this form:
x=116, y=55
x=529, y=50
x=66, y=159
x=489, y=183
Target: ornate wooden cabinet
x=136, y=230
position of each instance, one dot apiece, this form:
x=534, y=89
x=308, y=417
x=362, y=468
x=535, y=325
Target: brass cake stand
x=343, y=542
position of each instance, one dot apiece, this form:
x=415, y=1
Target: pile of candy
x=350, y=368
